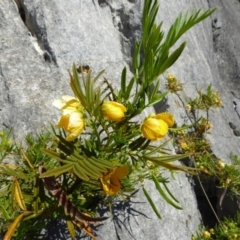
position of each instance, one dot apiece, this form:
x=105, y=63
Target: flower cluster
x=205, y=100
x=154, y=128
x=204, y=125
x=173, y=84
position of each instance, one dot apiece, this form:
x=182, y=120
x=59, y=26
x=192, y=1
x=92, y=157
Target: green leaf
x=76, y=87
x=123, y=81
x=165, y=161
x=137, y=143
x=85, y=90
x=4, y=190
x=93, y=160
x=151, y=203
x=101, y=165
x=184, y=127
x=89, y=170
x=157, y=56
x=71, y=229
x=183, y=23
x=98, y=76
x=165, y=185
x=150, y=11
x=172, y=58
x=78, y=171
x=129, y=88
x=166, y=158
x=155, y=38
x=84, y=167
x=57, y=171
x=155, y=90
x=89, y=90
x=92, y=168
x=136, y=57
x=163, y=194
x=8, y=171
x=98, y=102
x=36, y=195
x=4, y=212
x=14, y=172
x=58, y=156
x=153, y=149
x=157, y=98
x=14, y=225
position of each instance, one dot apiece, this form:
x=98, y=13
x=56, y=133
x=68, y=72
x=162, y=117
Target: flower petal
x=63, y=122
x=111, y=181
x=67, y=104
x=120, y=172
x=163, y=127
x=76, y=121
x=166, y=117
x=72, y=123
x=113, y=111
x=154, y=129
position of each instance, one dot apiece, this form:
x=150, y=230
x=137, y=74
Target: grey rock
x=226, y=52
x=39, y=41
x=199, y=66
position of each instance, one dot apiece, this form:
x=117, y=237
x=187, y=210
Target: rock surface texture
x=39, y=41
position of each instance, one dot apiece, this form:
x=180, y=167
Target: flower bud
x=206, y=234
x=72, y=123
x=211, y=230
x=155, y=127
x=221, y=165
x=113, y=111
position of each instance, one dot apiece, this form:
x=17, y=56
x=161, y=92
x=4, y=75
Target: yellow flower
x=111, y=182
x=67, y=104
x=113, y=111
x=155, y=127
x=73, y=123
